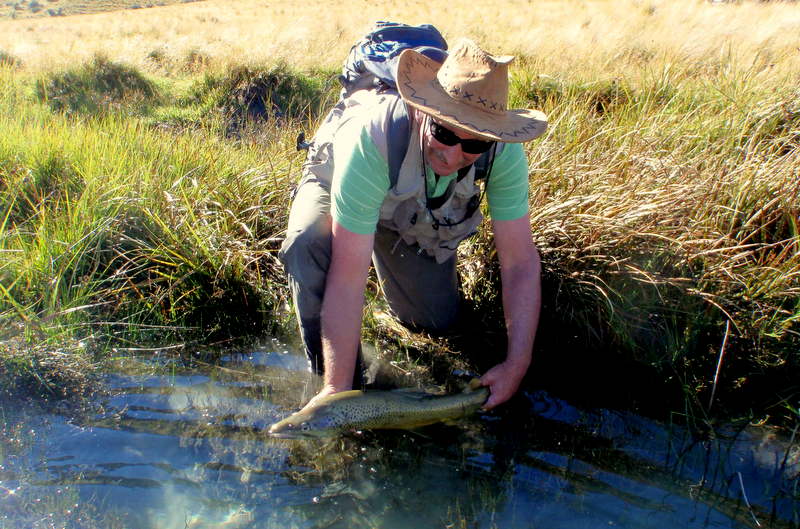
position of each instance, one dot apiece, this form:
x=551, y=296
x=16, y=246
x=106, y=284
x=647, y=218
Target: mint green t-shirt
x=361, y=181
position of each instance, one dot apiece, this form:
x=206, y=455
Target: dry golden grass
x=602, y=38
x=26, y=9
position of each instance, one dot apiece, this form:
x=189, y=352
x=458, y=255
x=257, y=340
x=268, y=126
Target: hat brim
x=419, y=87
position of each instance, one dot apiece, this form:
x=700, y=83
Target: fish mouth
x=302, y=434
x=294, y=436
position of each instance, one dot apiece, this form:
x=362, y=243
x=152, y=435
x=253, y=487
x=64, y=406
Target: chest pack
x=372, y=65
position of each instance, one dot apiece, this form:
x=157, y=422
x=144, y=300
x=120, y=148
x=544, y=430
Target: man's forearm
x=521, y=306
x=343, y=305
x=341, y=332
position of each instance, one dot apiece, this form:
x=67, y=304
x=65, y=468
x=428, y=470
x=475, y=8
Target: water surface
x=170, y=447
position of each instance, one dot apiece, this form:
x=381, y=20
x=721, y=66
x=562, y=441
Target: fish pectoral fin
x=417, y=395
x=474, y=384
x=419, y=434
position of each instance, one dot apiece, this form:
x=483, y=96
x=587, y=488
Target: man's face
x=446, y=159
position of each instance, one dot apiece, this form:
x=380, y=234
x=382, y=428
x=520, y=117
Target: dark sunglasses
x=447, y=137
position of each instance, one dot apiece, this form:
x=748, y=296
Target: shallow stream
x=187, y=449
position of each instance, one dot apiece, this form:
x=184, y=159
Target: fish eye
x=305, y=427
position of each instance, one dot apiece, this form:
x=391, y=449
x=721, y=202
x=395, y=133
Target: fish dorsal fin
x=345, y=395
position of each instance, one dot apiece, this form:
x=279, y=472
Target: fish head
x=313, y=423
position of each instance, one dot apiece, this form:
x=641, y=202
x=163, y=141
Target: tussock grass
x=146, y=189
x=248, y=94
x=95, y=86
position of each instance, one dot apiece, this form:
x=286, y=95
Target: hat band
x=468, y=96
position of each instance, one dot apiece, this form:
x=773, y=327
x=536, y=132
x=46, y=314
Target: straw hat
x=468, y=91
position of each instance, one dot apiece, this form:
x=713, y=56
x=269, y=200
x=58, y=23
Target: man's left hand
x=503, y=381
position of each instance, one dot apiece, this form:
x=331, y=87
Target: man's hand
x=503, y=381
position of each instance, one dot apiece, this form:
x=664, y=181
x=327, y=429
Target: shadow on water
x=170, y=447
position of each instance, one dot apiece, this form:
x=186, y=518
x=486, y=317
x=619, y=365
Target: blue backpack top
x=372, y=62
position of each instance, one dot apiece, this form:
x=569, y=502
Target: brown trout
x=374, y=410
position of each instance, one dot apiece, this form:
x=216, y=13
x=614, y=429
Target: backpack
x=372, y=65
x=372, y=61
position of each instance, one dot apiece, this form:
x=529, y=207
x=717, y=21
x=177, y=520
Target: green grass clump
x=245, y=101
x=100, y=85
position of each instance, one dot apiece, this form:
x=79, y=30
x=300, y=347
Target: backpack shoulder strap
x=483, y=165
x=398, y=136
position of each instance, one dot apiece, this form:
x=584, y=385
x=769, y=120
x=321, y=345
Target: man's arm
x=342, y=307
x=520, y=271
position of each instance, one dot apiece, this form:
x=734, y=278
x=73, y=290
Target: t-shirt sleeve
x=360, y=179
x=507, y=191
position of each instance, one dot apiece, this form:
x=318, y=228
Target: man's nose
x=453, y=154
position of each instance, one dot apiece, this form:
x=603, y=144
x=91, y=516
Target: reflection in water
x=188, y=450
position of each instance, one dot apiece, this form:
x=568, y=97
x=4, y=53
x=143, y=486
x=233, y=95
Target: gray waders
x=421, y=293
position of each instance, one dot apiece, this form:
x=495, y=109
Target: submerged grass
x=45, y=372
x=145, y=197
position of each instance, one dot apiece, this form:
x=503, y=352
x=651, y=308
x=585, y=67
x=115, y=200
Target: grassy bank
x=144, y=191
